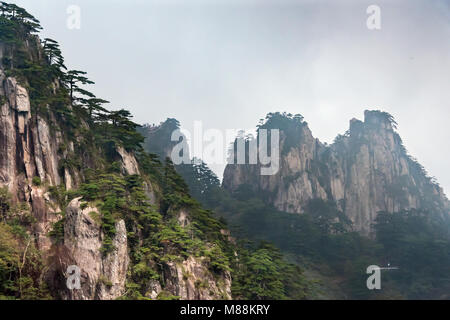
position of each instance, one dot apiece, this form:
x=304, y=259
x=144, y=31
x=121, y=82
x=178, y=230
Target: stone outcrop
x=129, y=163
x=27, y=150
x=102, y=277
x=365, y=171
x=191, y=280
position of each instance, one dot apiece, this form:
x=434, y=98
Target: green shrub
x=36, y=181
x=57, y=232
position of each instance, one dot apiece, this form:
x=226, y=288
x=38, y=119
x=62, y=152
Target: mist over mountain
x=334, y=209
x=92, y=207
x=87, y=214
x=364, y=171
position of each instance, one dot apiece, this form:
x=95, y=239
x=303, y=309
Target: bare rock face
x=150, y=192
x=129, y=163
x=294, y=183
x=102, y=277
x=191, y=280
x=115, y=266
x=365, y=171
x=14, y=117
x=46, y=152
x=27, y=143
x=28, y=149
x=183, y=218
x=45, y=211
x=153, y=289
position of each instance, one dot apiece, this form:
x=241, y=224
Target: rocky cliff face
x=27, y=150
x=102, y=277
x=32, y=151
x=365, y=171
x=191, y=280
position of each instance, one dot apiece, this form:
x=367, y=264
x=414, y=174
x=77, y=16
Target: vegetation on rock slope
x=322, y=240
x=154, y=235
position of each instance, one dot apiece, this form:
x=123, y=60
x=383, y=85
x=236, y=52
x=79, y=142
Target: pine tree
x=73, y=79
x=54, y=56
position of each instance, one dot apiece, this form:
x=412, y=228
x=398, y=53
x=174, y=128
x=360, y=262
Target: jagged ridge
x=365, y=171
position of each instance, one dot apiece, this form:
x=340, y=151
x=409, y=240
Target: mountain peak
x=380, y=119
x=365, y=171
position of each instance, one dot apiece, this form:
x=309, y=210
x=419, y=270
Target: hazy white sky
x=228, y=63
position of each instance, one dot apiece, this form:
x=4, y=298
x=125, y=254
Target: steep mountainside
x=86, y=213
x=84, y=188
x=76, y=189
x=365, y=171
x=320, y=237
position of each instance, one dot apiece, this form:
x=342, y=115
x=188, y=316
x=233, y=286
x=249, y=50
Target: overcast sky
x=228, y=63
